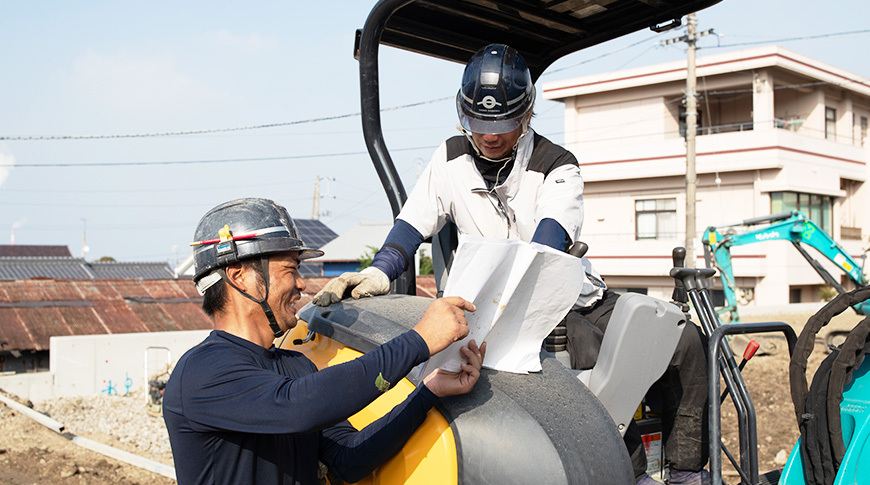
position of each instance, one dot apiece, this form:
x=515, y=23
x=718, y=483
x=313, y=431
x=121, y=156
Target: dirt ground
x=33, y=454
x=767, y=378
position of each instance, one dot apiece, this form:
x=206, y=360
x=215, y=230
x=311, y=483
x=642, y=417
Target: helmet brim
x=488, y=127
x=309, y=253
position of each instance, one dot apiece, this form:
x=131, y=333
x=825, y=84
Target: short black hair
x=215, y=297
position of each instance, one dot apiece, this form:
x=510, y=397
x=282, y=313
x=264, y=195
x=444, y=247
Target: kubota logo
x=767, y=235
x=489, y=102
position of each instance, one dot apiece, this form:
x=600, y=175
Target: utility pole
x=315, y=201
x=691, y=128
x=85, y=247
x=691, y=124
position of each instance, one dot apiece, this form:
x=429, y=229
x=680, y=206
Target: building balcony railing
x=728, y=128
x=791, y=125
x=794, y=125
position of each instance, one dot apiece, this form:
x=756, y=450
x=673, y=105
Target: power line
x=214, y=130
x=192, y=162
x=210, y=188
x=278, y=125
x=791, y=39
x=602, y=56
x=394, y=108
x=739, y=91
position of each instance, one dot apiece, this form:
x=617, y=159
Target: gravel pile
x=126, y=418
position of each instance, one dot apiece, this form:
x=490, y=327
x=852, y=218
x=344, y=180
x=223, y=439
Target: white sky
x=120, y=68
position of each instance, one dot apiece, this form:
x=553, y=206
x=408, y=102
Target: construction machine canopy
x=541, y=30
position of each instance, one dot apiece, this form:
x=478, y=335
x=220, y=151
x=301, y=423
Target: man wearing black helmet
x=500, y=179
x=238, y=410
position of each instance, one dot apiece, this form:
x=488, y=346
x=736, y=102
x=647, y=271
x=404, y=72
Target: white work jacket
x=544, y=182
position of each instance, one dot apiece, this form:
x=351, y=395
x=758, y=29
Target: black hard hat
x=243, y=229
x=497, y=91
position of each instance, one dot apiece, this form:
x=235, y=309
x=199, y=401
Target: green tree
x=426, y=263
x=827, y=292
x=365, y=260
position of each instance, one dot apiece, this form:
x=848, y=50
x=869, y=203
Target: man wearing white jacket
x=500, y=179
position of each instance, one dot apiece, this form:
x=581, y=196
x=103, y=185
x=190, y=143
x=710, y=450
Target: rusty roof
x=34, y=310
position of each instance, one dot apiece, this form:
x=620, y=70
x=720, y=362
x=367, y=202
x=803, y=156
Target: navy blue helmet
x=497, y=91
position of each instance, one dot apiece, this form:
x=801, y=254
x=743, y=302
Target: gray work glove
x=368, y=282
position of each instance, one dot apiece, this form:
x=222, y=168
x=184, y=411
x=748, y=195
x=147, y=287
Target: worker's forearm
x=551, y=233
x=355, y=454
x=398, y=250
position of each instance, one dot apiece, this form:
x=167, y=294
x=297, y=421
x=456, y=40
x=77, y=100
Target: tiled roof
x=27, y=268
x=20, y=268
x=31, y=250
x=34, y=310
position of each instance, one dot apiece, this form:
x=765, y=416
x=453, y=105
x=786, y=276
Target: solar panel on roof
x=311, y=269
x=314, y=233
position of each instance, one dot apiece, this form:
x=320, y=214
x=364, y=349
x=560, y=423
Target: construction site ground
x=32, y=454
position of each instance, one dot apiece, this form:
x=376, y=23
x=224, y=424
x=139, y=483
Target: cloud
x=251, y=43
x=7, y=161
x=154, y=82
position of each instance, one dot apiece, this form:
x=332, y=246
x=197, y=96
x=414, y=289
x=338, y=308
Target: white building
x=777, y=131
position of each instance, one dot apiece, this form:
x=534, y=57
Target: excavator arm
x=794, y=227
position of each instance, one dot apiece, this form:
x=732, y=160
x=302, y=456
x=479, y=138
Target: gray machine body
x=544, y=427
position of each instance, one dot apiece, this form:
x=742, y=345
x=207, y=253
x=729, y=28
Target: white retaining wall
x=111, y=364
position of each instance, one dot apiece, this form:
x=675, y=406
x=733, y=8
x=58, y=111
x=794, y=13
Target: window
x=862, y=131
x=830, y=124
x=656, y=219
x=817, y=207
x=718, y=297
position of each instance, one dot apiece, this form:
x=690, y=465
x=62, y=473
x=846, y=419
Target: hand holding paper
x=443, y=383
x=444, y=323
x=521, y=292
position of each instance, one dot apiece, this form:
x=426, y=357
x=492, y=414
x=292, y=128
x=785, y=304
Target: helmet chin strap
x=273, y=323
x=513, y=153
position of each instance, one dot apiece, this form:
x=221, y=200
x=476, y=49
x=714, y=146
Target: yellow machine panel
x=429, y=457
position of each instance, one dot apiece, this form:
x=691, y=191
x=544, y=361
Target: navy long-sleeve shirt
x=239, y=413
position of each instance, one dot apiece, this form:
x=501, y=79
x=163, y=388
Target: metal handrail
x=714, y=347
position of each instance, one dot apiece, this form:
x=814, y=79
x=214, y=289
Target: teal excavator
x=793, y=226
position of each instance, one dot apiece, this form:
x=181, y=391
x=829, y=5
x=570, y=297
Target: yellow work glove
x=368, y=282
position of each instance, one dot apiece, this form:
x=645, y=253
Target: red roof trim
x=726, y=152
x=701, y=66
